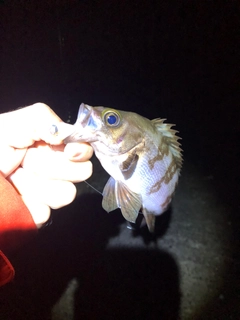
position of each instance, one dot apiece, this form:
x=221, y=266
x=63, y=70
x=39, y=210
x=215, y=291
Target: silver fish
x=142, y=156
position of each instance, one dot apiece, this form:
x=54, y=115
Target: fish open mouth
x=84, y=114
x=83, y=118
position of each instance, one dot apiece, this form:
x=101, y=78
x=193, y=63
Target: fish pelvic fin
x=117, y=195
x=128, y=201
x=109, y=202
x=170, y=138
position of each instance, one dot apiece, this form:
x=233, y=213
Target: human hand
x=37, y=163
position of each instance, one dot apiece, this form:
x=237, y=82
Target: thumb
x=22, y=127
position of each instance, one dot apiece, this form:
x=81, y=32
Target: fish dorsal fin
x=170, y=138
x=117, y=195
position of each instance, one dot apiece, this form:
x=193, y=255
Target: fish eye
x=111, y=118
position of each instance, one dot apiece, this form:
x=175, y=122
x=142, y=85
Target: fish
x=143, y=158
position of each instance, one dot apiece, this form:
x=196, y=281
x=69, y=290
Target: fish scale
x=142, y=156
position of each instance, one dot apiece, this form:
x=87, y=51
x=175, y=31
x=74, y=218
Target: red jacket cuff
x=7, y=271
x=16, y=225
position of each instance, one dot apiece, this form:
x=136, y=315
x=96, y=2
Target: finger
x=53, y=193
x=10, y=159
x=78, y=151
x=40, y=212
x=50, y=164
x=22, y=127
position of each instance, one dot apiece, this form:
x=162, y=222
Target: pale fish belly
x=157, y=184
x=111, y=164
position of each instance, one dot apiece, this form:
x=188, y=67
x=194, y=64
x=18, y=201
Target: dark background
x=174, y=59
x=171, y=59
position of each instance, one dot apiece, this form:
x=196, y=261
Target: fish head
x=110, y=130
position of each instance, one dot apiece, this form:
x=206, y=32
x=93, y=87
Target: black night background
x=177, y=60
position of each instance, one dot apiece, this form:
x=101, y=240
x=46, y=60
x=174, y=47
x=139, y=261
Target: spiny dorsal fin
x=170, y=138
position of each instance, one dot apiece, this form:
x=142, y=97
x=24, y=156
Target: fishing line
x=93, y=187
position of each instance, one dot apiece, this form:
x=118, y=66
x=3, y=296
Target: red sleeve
x=16, y=226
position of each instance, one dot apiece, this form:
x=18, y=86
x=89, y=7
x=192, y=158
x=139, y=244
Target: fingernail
x=62, y=130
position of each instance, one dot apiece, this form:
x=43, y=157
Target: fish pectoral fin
x=109, y=202
x=150, y=219
x=129, y=165
x=130, y=162
x=128, y=201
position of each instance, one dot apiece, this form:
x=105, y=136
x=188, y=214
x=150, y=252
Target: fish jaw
x=94, y=125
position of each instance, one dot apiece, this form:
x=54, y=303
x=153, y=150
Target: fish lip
x=83, y=117
x=84, y=114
